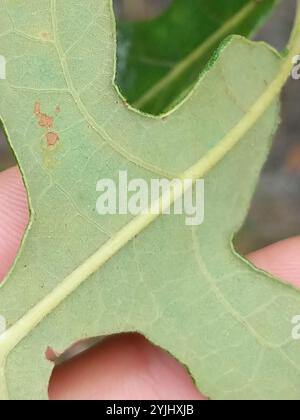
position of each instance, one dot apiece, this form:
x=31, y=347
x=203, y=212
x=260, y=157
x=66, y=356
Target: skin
x=125, y=366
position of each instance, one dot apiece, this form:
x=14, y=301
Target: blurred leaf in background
x=161, y=58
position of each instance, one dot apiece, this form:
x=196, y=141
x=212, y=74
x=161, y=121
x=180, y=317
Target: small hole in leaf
x=122, y=366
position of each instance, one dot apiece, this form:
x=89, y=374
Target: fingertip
x=123, y=367
x=280, y=259
x=14, y=216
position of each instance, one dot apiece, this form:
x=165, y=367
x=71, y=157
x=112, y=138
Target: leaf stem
x=16, y=333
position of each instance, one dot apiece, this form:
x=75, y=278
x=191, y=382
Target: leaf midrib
x=23, y=327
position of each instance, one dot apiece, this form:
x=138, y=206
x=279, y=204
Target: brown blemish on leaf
x=44, y=120
x=44, y=35
x=52, y=139
x=47, y=122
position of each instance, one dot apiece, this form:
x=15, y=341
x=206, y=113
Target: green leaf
x=159, y=59
x=82, y=275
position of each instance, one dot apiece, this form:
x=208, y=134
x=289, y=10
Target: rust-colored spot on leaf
x=47, y=122
x=52, y=138
x=44, y=35
x=44, y=120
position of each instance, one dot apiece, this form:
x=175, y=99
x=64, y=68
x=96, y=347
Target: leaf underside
x=182, y=287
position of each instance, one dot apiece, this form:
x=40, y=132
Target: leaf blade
x=58, y=254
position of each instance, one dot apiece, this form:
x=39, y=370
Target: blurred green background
x=275, y=211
